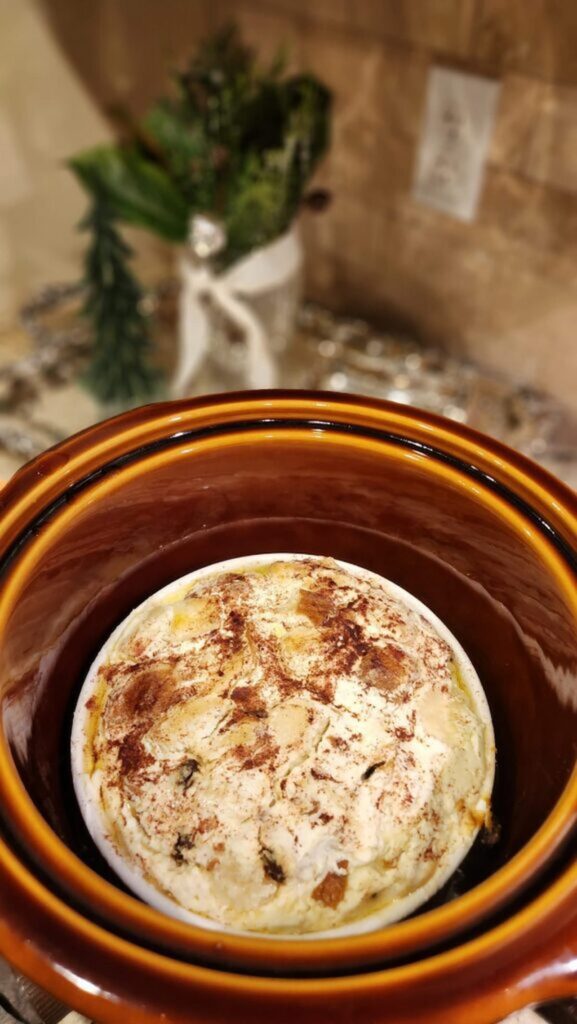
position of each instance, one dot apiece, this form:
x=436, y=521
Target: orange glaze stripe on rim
x=551, y=921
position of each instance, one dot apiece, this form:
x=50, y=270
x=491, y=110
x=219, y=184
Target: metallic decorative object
x=206, y=237
x=22, y=1000
x=61, y=347
x=52, y=299
x=349, y=355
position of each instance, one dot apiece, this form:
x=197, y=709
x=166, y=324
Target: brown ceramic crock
x=486, y=539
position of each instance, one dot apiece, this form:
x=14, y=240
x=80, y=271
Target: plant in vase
x=220, y=169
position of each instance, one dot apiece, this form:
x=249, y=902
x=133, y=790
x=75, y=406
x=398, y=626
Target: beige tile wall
x=503, y=288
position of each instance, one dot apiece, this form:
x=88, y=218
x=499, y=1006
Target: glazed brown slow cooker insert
x=361, y=482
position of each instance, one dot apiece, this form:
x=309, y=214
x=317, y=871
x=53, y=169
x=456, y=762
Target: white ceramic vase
x=244, y=317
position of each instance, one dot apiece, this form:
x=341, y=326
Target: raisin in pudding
x=283, y=744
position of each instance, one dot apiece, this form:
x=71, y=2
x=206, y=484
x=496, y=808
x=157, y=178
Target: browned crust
x=331, y=890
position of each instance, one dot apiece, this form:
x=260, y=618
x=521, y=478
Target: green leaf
x=186, y=150
x=135, y=189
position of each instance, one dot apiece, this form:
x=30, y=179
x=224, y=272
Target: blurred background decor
x=220, y=169
x=470, y=316
x=500, y=289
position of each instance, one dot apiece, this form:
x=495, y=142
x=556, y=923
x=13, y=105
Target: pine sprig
x=120, y=371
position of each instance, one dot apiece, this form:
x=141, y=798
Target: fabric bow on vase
x=230, y=292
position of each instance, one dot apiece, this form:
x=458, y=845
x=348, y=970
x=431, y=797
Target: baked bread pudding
x=283, y=744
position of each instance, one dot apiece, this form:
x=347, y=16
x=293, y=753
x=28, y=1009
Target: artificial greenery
x=234, y=140
x=120, y=368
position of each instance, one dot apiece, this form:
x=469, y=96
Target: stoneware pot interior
x=476, y=554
